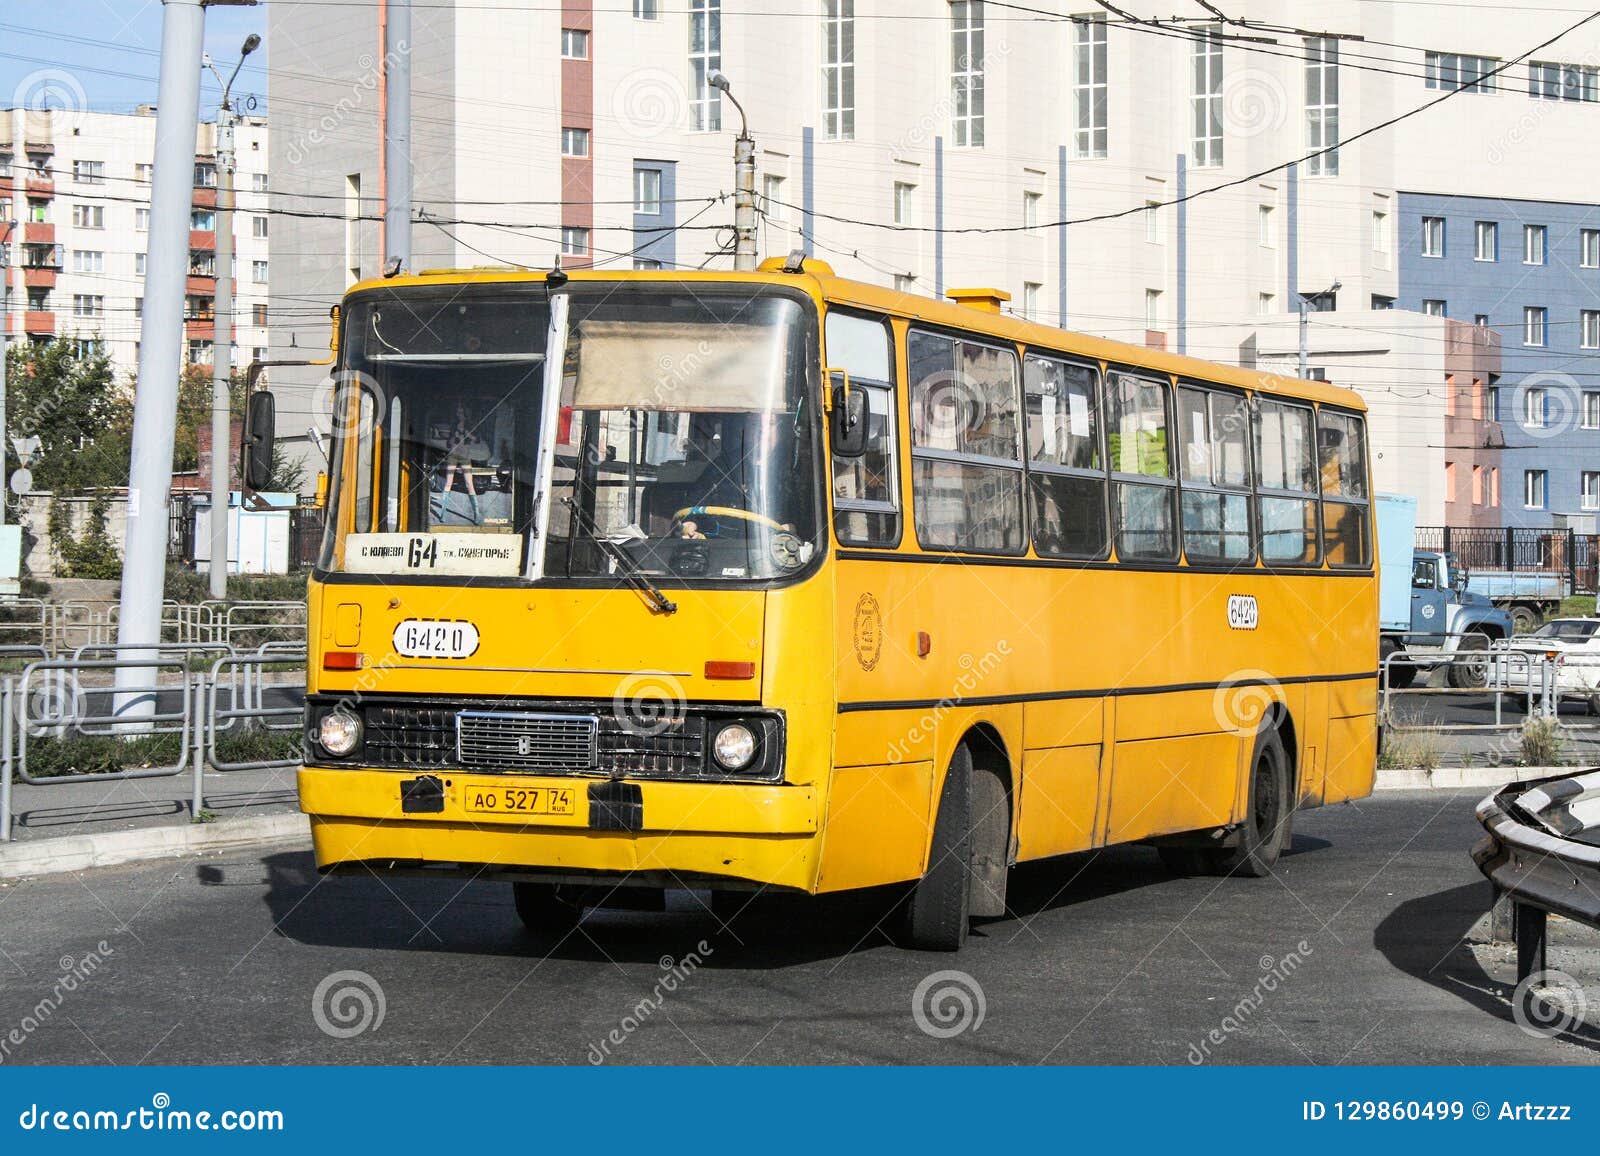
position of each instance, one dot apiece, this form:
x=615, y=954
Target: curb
x=1457, y=778
x=112, y=848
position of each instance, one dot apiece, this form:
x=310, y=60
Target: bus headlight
x=339, y=732
x=734, y=746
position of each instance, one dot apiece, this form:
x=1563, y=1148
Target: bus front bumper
x=765, y=834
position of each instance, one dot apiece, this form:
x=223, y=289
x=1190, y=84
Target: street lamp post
x=1305, y=298
x=222, y=327
x=744, y=182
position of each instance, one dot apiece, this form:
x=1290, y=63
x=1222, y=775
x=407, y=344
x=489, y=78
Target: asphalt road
x=1357, y=952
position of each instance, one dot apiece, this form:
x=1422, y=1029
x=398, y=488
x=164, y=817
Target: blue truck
x=1427, y=609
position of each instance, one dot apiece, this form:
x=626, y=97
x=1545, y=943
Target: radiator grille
x=409, y=736
x=495, y=740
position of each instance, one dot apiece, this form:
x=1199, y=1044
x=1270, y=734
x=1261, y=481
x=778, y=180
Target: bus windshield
x=684, y=444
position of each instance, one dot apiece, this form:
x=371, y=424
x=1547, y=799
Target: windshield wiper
x=631, y=570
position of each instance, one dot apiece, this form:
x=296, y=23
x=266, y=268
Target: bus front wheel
x=939, y=906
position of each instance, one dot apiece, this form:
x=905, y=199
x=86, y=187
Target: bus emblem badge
x=524, y=745
x=1243, y=613
x=868, y=632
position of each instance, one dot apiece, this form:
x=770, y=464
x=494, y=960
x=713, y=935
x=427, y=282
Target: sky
x=110, y=51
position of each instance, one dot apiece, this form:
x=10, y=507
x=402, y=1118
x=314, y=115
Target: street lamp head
x=251, y=43
x=719, y=80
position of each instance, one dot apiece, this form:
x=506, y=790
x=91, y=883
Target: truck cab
x=1446, y=619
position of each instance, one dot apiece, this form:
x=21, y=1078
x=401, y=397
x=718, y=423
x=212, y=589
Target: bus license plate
x=520, y=800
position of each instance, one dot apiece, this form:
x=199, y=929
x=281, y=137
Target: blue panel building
x=1530, y=270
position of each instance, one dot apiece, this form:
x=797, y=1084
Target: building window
x=646, y=10
x=1533, y=325
x=905, y=282
x=138, y=263
x=86, y=347
x=205, y=175
x=1450, y=71
x=258, y=316
x=1206, y=98
x=1486, y=241
x=88, y=305
x=1533, y=482
x=89, y=216
x=1591, y=409
x=89, y=172
x=1535, y=406
x=1030, y=300
x=647, y=192
x=1379, y=301
x=39, y=212
x=258, y=272
x=574, y=44
x=574, y=142
x=1494, y=485
x=1433, y=307
x=1477, y=485
x=904, y=203
x=1589, y=248
x=966, y=72
x=1152, y=309
x=1030, y=210
x=258, y=228
x=1090, y=91
x=1589, y=329
x=141, y=219
x=705, y=57
x=1265, y=233
x=203, y=220
x=1548, y=81
x=646, y=263
x=1533, y=244
x=88, y=261
x=1433, y=236
x=839, y=69
x=1590, y=499
x=258, y=182
x=1152, y=222
x=1264, y=303
x=1380, y=232
x=1322, y=105
x=772, y=202
x=574, y=241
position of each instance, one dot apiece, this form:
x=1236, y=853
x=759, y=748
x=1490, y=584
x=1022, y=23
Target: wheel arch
x=989, y=753
x=1279, y=718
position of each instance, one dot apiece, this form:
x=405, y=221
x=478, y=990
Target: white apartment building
x=1129, y=178
x=74, y=221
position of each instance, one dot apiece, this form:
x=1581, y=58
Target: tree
x=72, y=405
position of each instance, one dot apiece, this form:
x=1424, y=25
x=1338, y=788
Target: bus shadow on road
x=1428, y=938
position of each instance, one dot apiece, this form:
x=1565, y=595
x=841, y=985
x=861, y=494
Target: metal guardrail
x=1502, y=671
x=77, y=696
x=1533, y=854
x=59, y=628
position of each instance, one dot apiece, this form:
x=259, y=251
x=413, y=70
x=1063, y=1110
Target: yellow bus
x=735, y=581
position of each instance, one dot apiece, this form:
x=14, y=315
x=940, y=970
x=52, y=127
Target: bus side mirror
x=848, y=416
x=255, y=450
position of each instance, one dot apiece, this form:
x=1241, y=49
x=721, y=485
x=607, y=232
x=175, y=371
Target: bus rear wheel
x=543, y=910
x=936, y=914
x=1265, y=831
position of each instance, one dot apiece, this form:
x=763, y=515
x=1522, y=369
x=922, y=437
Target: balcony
x=201, y=285
x=40, y=322
x=40, y=187
x=205, y=198
x=205, y=240
x=39, y=277
x=199, y=329
x=38, y=233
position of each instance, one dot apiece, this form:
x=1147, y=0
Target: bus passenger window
x=866, y=493
x=1142, y=469
x=1215, y=460
x=1287, y=488
x=1066, y=476
x=1342, y=464
x=965, y=444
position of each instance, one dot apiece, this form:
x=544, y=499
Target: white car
x=1570, y=645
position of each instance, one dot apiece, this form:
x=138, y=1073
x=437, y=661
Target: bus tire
x=936, y=912
x=1473, y=673
x=1265, y=831
x=542, y=909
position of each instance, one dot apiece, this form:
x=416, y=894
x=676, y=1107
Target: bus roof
x=821, y=281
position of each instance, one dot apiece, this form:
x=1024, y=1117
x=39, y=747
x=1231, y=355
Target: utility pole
x=222, y=341
x=397, y=133
x=744, y=183
x=1305, y=327
x=155, y=406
